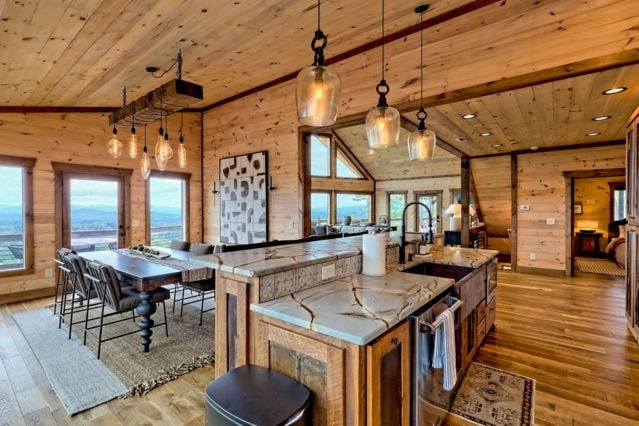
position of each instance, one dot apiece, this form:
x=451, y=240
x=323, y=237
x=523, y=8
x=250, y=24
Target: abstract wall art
x=244, y=198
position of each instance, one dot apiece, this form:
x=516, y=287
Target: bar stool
x=254, y=395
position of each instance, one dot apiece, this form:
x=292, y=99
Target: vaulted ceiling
x=80, y=53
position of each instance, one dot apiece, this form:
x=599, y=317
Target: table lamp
x=587, y=226
x=454, y=210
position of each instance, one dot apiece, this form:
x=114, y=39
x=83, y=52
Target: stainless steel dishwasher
x=429, y=401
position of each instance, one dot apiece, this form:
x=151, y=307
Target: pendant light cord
x=318, y=14
x=383, y=64
x=421, y=60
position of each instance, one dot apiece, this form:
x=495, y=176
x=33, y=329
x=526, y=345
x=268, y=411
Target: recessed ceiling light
x=534, y=148
x=614, y=90
x=461, y=139
x=485, y=134
x=593, y=134
x=601, y=118
x=497, y=145
x=468, y=116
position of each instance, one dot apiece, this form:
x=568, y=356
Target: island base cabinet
x=350, y=384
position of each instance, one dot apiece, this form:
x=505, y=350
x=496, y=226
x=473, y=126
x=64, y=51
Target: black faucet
x=402, y=239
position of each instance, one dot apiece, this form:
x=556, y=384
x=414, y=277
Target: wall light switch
x=524, y=207
x=48, y=273
x=533, y=256
x=550, y=221
x=135, y=222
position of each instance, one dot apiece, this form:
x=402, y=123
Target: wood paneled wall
x=80, y=138
x=492, y=182
x=541, y=186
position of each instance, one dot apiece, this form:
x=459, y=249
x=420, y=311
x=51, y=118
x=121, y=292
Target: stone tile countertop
x=267, y=260
x=358, y=308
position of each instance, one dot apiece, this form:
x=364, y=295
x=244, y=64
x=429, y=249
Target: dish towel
x=444, y=350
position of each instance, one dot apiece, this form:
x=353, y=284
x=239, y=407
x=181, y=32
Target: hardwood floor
x=569, y=334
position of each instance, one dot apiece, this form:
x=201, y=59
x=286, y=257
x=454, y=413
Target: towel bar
x=437, y=322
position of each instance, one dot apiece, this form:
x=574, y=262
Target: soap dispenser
x=422, y=249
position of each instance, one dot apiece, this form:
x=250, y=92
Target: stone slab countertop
x=458, y=256
x=357, y=309
x=267, y=260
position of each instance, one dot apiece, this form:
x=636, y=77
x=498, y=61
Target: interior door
x=93, y=206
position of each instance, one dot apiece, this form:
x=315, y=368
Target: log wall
x=80, y=138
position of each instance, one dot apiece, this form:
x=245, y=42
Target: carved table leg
x=145, y=309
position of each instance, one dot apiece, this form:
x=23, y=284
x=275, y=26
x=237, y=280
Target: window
x=357, y=206
x=320, y=207
x=167, y=208
x=396, y=204
x=320, y=155
x=16, y=216
x=433, y=200
x=344, y=168
x=617, y=200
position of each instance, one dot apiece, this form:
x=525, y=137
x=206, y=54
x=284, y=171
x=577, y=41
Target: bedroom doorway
x=593, y=200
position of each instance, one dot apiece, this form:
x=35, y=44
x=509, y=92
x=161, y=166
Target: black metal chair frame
x=100, y=283
x=61, y=279
x=199, y=297
x=80, y=301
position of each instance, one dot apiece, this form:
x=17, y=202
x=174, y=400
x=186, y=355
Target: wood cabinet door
x=388, y=378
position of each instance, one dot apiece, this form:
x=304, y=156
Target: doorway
x=91, y=207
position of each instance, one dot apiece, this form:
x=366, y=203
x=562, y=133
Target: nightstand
x=588, y=244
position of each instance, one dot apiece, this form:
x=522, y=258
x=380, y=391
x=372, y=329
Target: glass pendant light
x=318, y=87
x=382, y=122
x=145, y=163
x=114, y=146
x=421, y=142
x=181, y=149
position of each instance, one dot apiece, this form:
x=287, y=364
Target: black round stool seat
x=254, y=395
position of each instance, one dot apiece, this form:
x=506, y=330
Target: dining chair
x=179, y=245
x=204, y=289
x=199, y=249
x=61, y=279
x=75, y=268
x=117, y=299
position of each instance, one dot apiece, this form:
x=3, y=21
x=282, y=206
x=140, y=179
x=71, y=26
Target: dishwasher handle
x=430, y=327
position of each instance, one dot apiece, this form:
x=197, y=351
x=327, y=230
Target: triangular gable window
x=346, y=169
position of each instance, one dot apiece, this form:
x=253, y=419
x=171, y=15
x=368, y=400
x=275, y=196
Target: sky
x=11, y=178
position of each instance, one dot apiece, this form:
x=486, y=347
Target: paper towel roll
x=374, y=254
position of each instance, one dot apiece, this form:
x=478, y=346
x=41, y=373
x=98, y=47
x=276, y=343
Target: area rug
x=489, y=396
x=599, y=266
x=81, y=381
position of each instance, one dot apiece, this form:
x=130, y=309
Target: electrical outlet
x=48, y=273
x=328, y=271
x=533, y=256
x=524, y=207
x=135, y=222
x=550, y=221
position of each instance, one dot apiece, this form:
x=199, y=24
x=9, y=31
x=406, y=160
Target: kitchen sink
x=439, y=270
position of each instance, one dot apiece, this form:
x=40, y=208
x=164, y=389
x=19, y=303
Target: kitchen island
x=307, y=311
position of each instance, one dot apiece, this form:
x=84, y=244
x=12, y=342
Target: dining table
x=147, y=273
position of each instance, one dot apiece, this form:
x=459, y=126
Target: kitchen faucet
x=402, y=239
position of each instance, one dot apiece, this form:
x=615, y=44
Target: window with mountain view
x=15, y=210
x=357, y=206
x=167, y=209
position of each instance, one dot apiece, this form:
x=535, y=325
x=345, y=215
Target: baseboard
x=541, y=271
x=26, y=295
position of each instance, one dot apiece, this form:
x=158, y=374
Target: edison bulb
x=133, y=146
x=181, y=156
x=114, y=146
x=145, y=164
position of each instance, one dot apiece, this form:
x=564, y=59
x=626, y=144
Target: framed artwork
x=244, y=198
x=578, y=208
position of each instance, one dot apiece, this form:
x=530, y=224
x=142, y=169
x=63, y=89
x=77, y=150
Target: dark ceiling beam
x=556, y=148
x=67, y=110
x=435, y=20
x=410, y=126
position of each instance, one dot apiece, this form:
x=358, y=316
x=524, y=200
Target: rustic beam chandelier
x=421, y=142
x=382, y=122
x=157, y=104
x=318, y=87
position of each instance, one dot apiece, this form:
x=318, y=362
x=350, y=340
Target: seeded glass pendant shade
x=163, y=150
x=383, y=122
x=318, y=86
x=421, y=142
x=114, y=146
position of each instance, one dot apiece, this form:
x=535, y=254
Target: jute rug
x=489, y=396
x=81, y=381
x=599, y=266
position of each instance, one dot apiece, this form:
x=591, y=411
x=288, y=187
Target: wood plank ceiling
x=80, y=53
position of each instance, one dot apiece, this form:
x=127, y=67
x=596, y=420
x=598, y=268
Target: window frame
x=437, y=215
x=330, y=155
x=186, y=202
x=331, y=213
x=27, y=165
x=388, y=205
x=371, y=209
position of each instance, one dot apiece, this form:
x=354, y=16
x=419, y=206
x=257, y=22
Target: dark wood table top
x=145, y=274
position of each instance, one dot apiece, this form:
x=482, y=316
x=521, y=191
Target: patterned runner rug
x=489, y=396
x=599, y=266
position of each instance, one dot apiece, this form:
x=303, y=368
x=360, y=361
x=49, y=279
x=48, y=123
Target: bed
x=616, y=248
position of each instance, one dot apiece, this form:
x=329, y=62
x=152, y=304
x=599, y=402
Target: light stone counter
x=458, y=256
x=358, y=308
